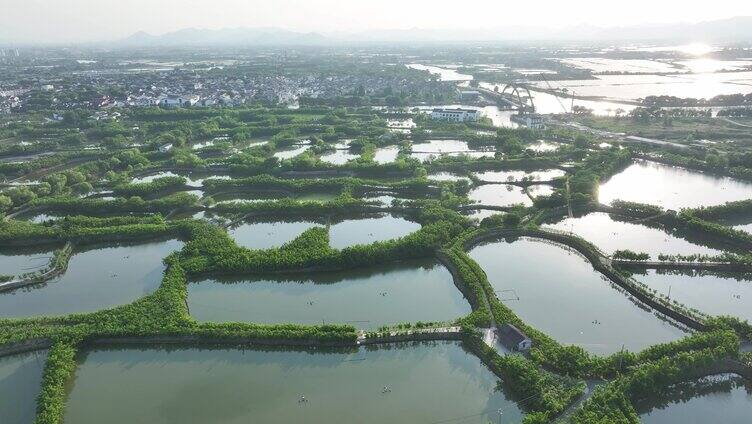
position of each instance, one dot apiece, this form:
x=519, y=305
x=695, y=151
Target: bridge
x=515, y=96
x=707, y=266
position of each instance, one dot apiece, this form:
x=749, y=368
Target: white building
x=165, y=148
x=531, y=120
x=143, y=101
x=178, y=101
x=455, y=115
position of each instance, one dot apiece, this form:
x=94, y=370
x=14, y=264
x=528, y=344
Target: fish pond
x=672, y=187
x=611, y=233
x=499, y=195
x=17, y=261
x=416, y=290
x=722, y=399
x=96, y=278
x=404, y=383
x=709, y=292
x=20, y=381
x=537, y=279
x=342, y=233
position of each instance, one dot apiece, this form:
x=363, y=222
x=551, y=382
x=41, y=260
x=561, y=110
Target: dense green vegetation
x=546, y=381
x=152, y=188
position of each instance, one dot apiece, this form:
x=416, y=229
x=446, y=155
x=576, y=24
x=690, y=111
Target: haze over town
x=66, y=21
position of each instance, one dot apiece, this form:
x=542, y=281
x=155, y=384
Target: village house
x=513, y=338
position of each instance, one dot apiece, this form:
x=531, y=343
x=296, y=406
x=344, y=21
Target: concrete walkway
x=435, y=333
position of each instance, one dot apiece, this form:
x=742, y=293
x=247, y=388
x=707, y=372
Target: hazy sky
x=90, y=20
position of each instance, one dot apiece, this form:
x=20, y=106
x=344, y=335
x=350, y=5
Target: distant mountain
x=227, y=36
x=738, y=29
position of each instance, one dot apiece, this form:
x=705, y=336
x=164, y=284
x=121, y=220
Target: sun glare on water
x=696, y=49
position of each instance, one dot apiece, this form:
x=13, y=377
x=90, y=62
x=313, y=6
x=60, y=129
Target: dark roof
x=510, y=335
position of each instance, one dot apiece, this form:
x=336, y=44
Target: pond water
x=95, y=279
x=498, y=117
x=705, y=64
x=428, y=382
x=742, y=223
x=265, y=235
x=365, y=231
x=518, y=175
x=290, y=153
x=598, y=64
x=17, y=261
x=152, y=177
x=610, y=235
x=345, y=233
x=384, y=155
x=722, y=399
x=440, y=146
x=20, y=381
x=480, y=214
x=385, y=199
x=712, y=293
x=672, y=187
x=543, y=146
x=401, y=123
x=38, y=218
x=339, y=157
x=444, y=73
x=534, y=278
x=633, y=87
x=538, y=190
x=191, y=180
x=366, y=298
x=499, y=195
x=430, y=149
x=203, y=144
x=446, y=176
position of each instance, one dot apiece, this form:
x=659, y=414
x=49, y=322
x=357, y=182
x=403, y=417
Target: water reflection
x=611, y=233
x=672, y=187
x=711, y=293
x=723, y=399
x=428, y=382
x=499, y=195
x=587, y=309
x=20, y=381
x=417, y=290
x=95, y=279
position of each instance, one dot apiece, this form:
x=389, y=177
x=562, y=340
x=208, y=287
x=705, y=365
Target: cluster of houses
x=102, y=84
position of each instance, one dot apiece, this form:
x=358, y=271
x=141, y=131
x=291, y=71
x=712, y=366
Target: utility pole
x=500, y=414
x=571, y=108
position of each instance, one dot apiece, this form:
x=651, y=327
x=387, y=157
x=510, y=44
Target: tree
x=76, y=139
x=21, y=195
x=5, y=203
x=82, y=188
x=74, y=177
x=57, y=182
